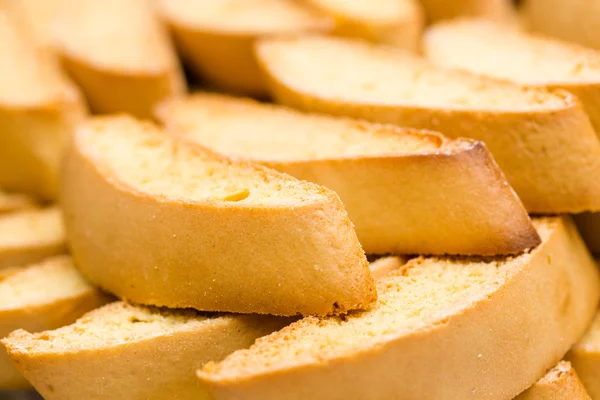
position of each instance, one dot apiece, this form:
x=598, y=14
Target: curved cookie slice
x=534, y=61
x=491, y=49
x=38, y=110
x=204, y=231
x=132, y=352
x=434, y=317
x=544, y=142
x=216, y=37
x=560, y=383
x=38, y=297
x=396, y=22
x=389, y=179
x=136, y=352
x=574, y=20
x=10, y=202
x=31, y=235
x=496, y=10
x=118, y=53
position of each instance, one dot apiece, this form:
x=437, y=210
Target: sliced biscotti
x=483, y=47
x=132, y=352
x=38, y=109
x=30, y=235
x=118, y=53
x=560, y=383
x=496, y=10
x=205, y=231
x=136, y=352
x=574, y=20
x=589, y=227
x=434, y=317
x=389, y=179
x=10, y=202
x=216, y=37
x=396, y=22
x=38, y=297
x=543, y=141
x=585, y=357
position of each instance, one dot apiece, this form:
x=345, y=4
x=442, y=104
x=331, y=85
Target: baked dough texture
x=434, y=317
x=139, y=353
x=31, y=235
x=39, y=108
x=216, y=37
x=395, y=22
x=191, y=228
x=119, y=53
x=37, y=297
x=543, y=141
x=560, y=383
x=391, y=180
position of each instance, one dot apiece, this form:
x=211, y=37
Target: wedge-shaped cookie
x=118, y=53
x=491, y=49
x=38, y=297
x=10, y=202
x=560, y=383
x=589, y=226
x=530, y=60
x=396, y=22
x=384, y=175
x=585, y=357
x=216, y=37
x=204, y=231
x=38, y=109
x=543, y=141
x=30, y=235
x=463, y=324
x=138, y=353
x=496, y=10
x=132, y=352
x=574, y=20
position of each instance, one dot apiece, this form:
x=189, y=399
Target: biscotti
x=132, y=352
x=389, y=179
x=118, y=53
x=30, y=235
x=535, y=61
x=395, y=22
x=190, y=228
x=585, y=357
x=38, y=109
x=434, y=317
x=10, y=202
x=560, y=383
x=216, y=37
x=38, y=297
x=496, y=10
x=589, y=227
x=531, y=60
x=136, y=352
x=543, y=141
x=574, y=20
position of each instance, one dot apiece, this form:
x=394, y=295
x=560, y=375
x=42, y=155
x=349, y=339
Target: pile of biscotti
x=358, y=199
